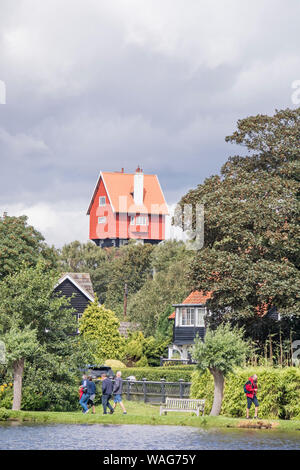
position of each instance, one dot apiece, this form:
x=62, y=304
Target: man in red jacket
x=251, y=389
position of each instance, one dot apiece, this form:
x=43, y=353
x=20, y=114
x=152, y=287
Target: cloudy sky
x=102, y=84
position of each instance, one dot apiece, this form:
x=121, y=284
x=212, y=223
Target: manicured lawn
x=140, y=413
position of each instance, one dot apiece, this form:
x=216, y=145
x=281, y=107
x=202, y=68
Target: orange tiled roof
x=195, y=297
x=121, y=184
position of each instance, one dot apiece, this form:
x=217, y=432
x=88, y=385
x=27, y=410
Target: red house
x=127, y=206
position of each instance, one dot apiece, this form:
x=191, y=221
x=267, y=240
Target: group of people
x=110, y=389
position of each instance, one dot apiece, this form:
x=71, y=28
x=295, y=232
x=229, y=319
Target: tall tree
x=33, y=319
x=251, y=255
x=20, y=242
x=131, y=266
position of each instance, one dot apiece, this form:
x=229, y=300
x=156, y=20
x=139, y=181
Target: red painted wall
x=118, y=225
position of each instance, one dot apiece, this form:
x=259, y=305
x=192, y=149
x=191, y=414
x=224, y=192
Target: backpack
x=245, y=390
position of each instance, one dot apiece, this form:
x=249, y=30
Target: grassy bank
x=140, y=413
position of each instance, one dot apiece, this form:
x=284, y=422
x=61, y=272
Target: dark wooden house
x=189, y=321
x=78, y=287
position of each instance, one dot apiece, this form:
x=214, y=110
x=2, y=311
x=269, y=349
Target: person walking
x=91, y=391
x=107, y=388
x=117, y=392
x=84, y=395
x=250, y=388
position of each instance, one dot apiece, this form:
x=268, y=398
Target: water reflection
x=112, y=437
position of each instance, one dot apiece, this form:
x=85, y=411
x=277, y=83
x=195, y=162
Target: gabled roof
x=118, y=184
x=194, y=298
x=82, y=281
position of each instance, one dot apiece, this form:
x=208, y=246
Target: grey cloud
x=96, y=85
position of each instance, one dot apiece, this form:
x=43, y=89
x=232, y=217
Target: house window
x=187, y=317
x=132, y=220
x=200, y=316
x=141, y=220
x=101, y=220
x=102, y=201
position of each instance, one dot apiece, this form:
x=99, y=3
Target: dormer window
x=141, y=220
x=102, y=201
x=187, y=317
x=190, y=316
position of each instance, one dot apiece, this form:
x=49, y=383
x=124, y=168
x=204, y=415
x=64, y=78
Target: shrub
x=158, y=373
x=3, y=414
x=278, y=391
x=143, y=362
x=114, y=364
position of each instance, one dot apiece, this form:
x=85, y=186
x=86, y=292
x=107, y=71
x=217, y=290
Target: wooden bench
x=182, y=404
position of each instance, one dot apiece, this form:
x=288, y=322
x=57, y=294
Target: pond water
x=133, y=437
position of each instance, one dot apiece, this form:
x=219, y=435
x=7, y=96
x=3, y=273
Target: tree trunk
x=218, y=392
x=18, y=376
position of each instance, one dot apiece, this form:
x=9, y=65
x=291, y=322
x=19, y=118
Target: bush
x=157, y=373
x=278, y=391
x=3, y=414
x=143, y=362
x=6, y=396
x=114, y=364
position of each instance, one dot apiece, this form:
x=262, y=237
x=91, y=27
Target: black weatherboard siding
x=79, y=301
x=187, y=334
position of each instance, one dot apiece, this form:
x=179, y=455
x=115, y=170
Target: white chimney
x=138, y=190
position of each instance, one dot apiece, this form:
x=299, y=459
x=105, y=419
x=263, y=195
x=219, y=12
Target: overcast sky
x=103, y=84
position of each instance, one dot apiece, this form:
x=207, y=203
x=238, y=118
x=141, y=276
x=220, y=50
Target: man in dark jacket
x=91, y=391
x=251, y=389
x=107, y=388
x=118, y=388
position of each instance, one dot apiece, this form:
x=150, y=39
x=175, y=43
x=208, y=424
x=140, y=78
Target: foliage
x=143, y=362
x=20, y=343
x=251, y=251
x=144, y=351
x=156, y=296
x=88, y=257
x=21, y=243
x=3, y=414
x=131, y=266
x=171, y=374
x=35, y=324
x=101, y=326
x=223, y=349
x=278, y=391
x=114, y=364
x=164, y=329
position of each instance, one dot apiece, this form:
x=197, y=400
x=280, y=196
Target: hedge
x=278, y=392
x=171, y=374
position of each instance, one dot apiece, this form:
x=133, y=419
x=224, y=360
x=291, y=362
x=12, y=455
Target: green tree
x=156, y=295
x=131, y=266
x=33, y=321
x=20, y=242
x=101, y=326
x=20, y=345
x=222, y=350
x=251, y=255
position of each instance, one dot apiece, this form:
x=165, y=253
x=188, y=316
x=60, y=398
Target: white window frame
x=103, y=221
x=190, y=313
x=200, y=317
x=141, y=220
x=132, y=220
x=101, y=202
